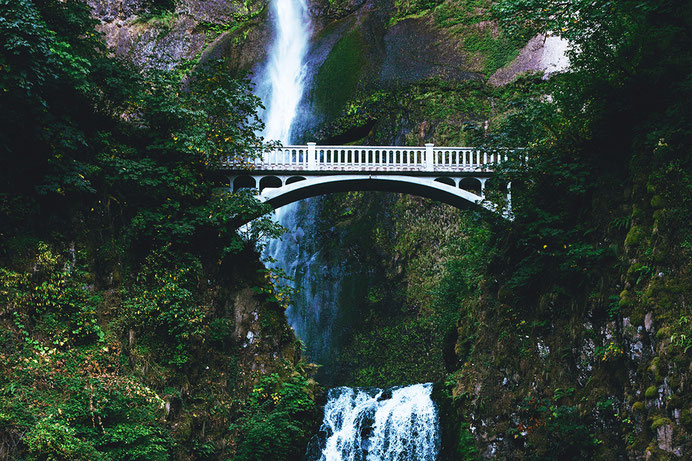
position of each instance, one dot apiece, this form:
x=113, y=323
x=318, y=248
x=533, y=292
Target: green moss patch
x=651, y=392
x=338, y=78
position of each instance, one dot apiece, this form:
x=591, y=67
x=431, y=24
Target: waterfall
x=399, y=424
x=283, y=78
x=281, y=86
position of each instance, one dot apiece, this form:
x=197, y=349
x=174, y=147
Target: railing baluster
x=368, y=158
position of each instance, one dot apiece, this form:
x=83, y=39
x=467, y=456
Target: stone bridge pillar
x=429, y=157
x=312, y=156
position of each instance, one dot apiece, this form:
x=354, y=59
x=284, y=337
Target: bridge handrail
x=311, y=157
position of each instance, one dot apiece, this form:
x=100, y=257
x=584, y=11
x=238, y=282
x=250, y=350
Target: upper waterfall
x=281, y=85
x=283, y=78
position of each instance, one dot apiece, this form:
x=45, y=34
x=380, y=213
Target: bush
x=278, y=420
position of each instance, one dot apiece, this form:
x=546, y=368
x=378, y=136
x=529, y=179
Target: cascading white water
x=281, y=87
x=283, y=78
x=375, y=425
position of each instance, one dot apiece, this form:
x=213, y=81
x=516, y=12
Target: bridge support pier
x=482, y=180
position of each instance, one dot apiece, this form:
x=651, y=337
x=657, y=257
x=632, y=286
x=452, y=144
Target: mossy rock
x=660, y=422
x=638, y=407
x=651, y=392
x=686, y=418
x=661, y=255
x=634, y=270
x=338, y=77
x=635, y=237
x=674, y=401
x=626, y=300
x=658, y=201
x=637, y=317
x=663, y=333
x=655, y=367
x=637, y=212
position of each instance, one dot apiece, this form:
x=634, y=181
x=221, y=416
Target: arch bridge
x=454, y=175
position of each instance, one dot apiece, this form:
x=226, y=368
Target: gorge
x=138, y=321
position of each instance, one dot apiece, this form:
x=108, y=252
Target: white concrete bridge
x=454, y=175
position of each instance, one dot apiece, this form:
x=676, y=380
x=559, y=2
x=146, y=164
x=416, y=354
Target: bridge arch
x=293, y=179
x=473, y=185
x=295, y=188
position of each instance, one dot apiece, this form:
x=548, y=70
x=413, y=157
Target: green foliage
x=70, y=404
x=552, y=430
x=55, y=289
x=163, y=300
x=466, y=12
x=411, y=8
x=681, y=338
x=278, y=287
x=56, y=440
x=124, y=163
x=90, y=138
x=278, y=420
x=496, y=49
x=407, y=352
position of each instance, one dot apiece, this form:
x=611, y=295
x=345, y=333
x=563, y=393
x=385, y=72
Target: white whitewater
x=281, y=87
x=374, y=425
x=283, y=81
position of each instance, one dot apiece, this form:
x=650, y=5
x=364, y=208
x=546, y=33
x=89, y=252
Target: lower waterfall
x=397, y=424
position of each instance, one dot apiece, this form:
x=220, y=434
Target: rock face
x=266, y=342
x=155, y=43
x=415, y=50
x=163, y=38
x=541, y=54
x=245, y=48
x=110, y=10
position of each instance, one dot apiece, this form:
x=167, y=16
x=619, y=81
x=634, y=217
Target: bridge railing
x=311, y=157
